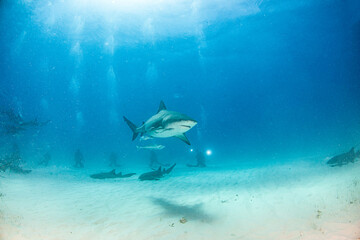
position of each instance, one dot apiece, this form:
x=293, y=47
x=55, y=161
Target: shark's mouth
x=187, y=126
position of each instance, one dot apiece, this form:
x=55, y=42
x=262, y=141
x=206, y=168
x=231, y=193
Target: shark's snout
x=192, y=123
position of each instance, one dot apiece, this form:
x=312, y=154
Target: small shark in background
x=111, y=174
x=164, y=124
x=344, y=158
x=156, y=175
x=13, y=123
x=35, y=123
x=151, y=147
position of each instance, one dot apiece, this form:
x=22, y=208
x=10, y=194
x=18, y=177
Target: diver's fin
x=183, y=138
x=132, y=127
x=161, y=106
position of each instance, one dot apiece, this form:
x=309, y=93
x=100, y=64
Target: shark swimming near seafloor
x=111, y=174
x=344, y=158
x=164, y=124
x=157, y=174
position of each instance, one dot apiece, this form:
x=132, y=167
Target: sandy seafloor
x=287, y=201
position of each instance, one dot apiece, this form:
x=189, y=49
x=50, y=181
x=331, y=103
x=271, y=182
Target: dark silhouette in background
x=200, y=160
x=79, y=159
x=113, y=160
x=46, y=159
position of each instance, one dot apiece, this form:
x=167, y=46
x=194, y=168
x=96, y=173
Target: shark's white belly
x=165, y=133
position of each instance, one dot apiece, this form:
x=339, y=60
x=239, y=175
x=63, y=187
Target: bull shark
x=111, y=174
x=164, y=124
x=157, y=174
x=344, y=158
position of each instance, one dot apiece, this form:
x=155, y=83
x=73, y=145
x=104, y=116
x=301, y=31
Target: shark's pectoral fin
x=155, y=129
x=161, y=106
x=183, y=138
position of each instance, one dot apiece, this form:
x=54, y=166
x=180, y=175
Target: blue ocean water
x=267, y=80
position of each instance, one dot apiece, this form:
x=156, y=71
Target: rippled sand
x=300, y=201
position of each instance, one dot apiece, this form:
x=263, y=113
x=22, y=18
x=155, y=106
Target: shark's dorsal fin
x=183, y=138
x=161, y=106
x=113, y=171
x=159, y=169
x=352, y=150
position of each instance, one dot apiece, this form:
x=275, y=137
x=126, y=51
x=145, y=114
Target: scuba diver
x=79, y=159
x=113, y=160
x=200, y=160
x=46, y=159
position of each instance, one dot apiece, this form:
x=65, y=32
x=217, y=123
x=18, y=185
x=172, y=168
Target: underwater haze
x=264, y=79
x=269, y=82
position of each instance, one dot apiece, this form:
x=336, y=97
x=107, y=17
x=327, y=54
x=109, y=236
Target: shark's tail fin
x=132, y=127
x=167, y=171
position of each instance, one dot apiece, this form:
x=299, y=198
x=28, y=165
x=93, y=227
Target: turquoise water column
x=75, y=83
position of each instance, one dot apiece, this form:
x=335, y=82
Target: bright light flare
x=122, y=22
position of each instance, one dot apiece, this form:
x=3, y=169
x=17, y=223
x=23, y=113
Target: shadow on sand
x=190, y=212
